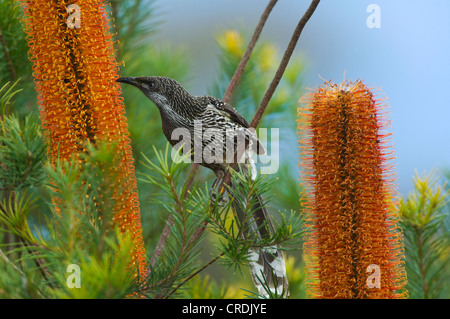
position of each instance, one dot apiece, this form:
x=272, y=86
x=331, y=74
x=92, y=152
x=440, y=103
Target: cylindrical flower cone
x=75, y=72
x=353, y=247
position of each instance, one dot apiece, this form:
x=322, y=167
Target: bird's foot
x=221, y=201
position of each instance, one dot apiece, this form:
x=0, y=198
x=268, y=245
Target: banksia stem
x=75, y=72
x=354, y=245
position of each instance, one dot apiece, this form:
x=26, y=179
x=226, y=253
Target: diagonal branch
x=194, y=274
x=17, y=270
x=12, y=70
x=162, y=242
x=248, y=52
x=283, y=64
x=166, y=231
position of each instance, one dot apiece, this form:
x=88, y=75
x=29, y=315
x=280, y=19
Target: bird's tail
x=267, y=264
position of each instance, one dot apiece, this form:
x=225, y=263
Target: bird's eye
x=150, y=85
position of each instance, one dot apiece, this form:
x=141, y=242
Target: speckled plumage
x=216, y=131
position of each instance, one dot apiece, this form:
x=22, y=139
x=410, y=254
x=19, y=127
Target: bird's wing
x=229, y=111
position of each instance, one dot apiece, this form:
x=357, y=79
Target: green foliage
x=13, y=53
x=188, y=209
x=295, y=270
x=79, y=231
x=14, y=63
x=234, y=242
x=13, y=215
x=6, y=95
x=287, y=197
x=231, y=230
x=22, y=148
x=204, y=287
x=178, y=260
x=134, y=24
x=427, y=240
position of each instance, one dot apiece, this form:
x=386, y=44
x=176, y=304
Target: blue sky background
x=408, y=58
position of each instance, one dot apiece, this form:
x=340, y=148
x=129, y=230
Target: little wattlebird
x=219, y=135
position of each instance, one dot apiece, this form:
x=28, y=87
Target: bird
x=219, y=136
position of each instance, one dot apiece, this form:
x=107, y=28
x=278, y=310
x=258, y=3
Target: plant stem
x=194, y=274
x=166, y=232
x=17, y=270
x=422, y=267
x=7, y=57
x=248, y=52
x=39, y=262
x=162, y=241
x=283, y=64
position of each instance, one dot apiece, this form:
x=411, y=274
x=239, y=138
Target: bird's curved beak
x=128, y=80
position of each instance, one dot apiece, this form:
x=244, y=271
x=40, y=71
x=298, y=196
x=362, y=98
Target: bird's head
x=163, y=91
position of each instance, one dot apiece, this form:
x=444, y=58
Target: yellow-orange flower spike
x=353, y=246
x=75, y=72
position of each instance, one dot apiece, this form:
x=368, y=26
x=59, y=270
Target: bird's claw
x=221, y=201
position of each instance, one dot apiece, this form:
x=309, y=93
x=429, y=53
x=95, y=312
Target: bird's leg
x=213, y=191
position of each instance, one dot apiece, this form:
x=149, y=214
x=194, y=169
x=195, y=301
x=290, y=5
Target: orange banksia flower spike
x=353, y=247
x=75, y=71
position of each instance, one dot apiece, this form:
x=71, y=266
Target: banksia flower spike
x=353, y=246
x=75, y=72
